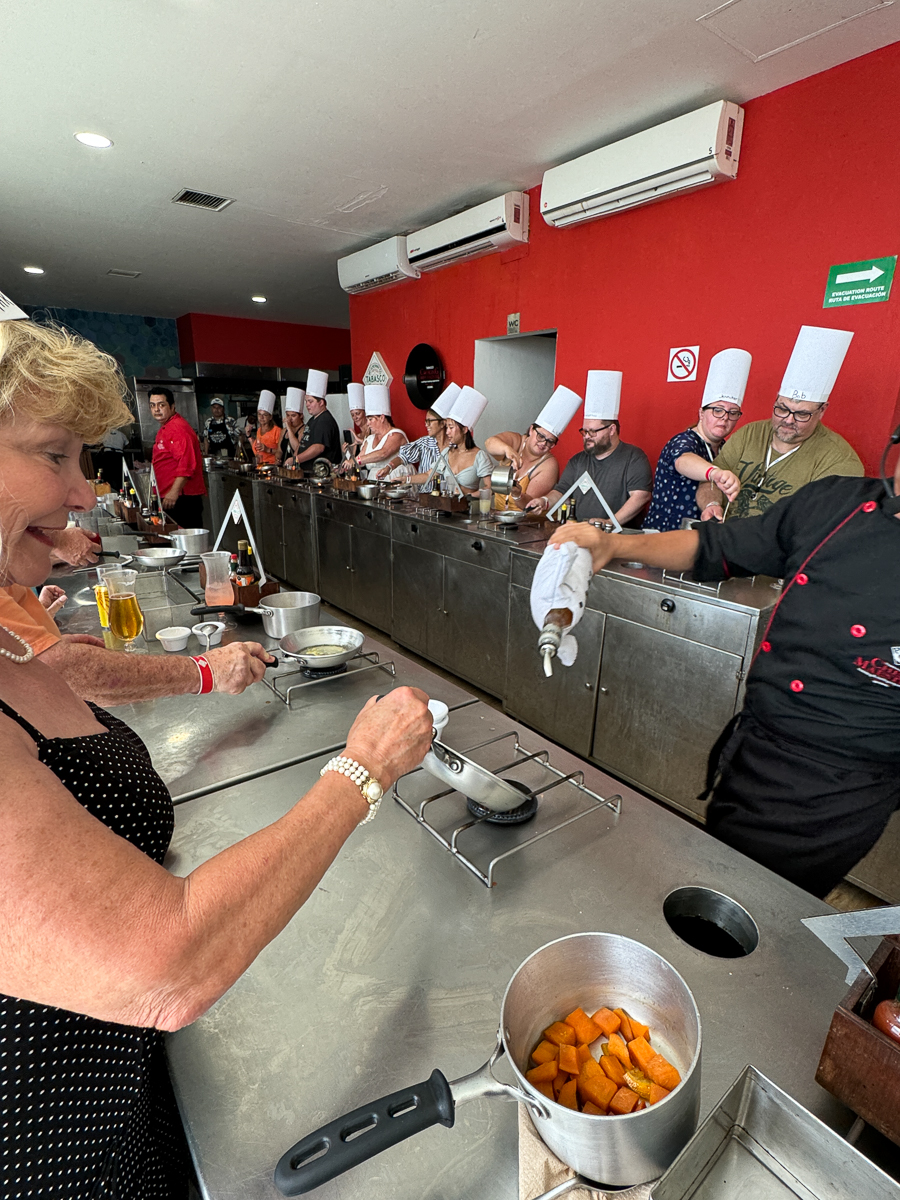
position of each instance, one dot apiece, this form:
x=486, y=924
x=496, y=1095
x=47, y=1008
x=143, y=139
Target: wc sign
x=683, y=364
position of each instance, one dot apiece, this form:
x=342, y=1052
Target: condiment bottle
x=887, y=1017
x=556, y=622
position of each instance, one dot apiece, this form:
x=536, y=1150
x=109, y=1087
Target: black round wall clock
x=424, y=375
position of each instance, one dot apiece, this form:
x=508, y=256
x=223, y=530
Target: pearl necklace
x=17, y=658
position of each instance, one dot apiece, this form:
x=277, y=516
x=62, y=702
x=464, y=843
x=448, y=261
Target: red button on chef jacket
x=176, y=452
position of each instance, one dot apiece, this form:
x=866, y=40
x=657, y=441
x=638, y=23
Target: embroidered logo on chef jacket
x=879, y=671
x=895, y=655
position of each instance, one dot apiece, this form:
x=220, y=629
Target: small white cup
x=173, y=638
x=440, y=715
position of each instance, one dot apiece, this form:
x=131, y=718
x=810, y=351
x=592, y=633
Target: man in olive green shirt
x=774, y=459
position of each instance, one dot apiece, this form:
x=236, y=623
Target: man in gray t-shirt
x=621, y=472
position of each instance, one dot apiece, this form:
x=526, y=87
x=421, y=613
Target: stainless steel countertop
x=201, y=744
x=398, y=963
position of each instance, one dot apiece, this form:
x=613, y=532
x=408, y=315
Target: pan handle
x=360, y=1135
x=203, y=610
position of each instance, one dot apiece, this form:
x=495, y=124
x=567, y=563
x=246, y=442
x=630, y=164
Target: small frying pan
x=475, y=782
x=295, y=645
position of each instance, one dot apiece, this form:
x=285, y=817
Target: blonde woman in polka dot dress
x=100, y=948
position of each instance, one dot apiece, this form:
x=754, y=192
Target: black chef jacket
x=827, y=673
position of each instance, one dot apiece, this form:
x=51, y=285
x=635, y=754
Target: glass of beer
x=126, y=621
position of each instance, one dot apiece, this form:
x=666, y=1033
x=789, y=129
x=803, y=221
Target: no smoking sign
x=683, y=364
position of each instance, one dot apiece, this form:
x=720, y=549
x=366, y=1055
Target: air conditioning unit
x=496, y=225
x=376, y=266
x=688, y=152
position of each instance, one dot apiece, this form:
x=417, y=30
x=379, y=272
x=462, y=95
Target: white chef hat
x=266, y=402
x=558, y=411
x=356, y=395
x=468, y=407
x=378, y=400
x=294, y=400
x=814, y=363
x=726, y=378
x=601, y=395
x=317, y=384
x=443, y=406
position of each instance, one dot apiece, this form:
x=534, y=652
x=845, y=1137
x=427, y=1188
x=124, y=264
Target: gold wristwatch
x=371, y=789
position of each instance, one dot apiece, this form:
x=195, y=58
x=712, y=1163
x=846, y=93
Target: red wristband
x=207, y=683
x=709, y=472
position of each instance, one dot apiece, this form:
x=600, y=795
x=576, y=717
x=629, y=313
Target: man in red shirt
x=178, y=462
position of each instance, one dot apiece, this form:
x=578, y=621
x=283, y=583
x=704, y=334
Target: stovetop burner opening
x=514, y=816
x=323, y=672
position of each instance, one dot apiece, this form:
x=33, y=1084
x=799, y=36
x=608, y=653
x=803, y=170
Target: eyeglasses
x=602, y=429
x=433, y=421
x=723, y=414
x=542, y=437
x=783, y=412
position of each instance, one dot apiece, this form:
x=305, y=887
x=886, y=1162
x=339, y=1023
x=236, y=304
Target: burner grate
x=479, y=844
x=369, y=661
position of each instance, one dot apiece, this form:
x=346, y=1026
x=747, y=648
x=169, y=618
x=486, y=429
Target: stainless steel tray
x=760, y=1144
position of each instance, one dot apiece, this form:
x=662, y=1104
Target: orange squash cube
x=639, y=1030
x=607, y=1020
x=560, y=1034
x=546, y=1089
x=568, y=1060
x=657, y=1093
x=613, y=1068
x=584, y=1053
x=620, y=1050
x=592, y=1110
x=596, y=1088
x=567, y=1096
x=544, y=1052
x=543, y=1073
x=623, y=1101
x=625, y=1028
x=585, y=1028
x=661, y=1071
x=641, y=1052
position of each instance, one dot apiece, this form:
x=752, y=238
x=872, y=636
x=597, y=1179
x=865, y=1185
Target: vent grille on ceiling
x=201, y=200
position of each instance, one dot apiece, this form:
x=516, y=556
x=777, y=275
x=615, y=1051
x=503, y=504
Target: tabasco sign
x=377, y=372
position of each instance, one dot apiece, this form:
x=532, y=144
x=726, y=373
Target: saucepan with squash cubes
x=603, y=1037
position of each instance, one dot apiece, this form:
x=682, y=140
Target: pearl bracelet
x=370, y=788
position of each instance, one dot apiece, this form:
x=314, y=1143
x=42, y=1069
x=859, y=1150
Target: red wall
x=203, y=337
x=740, y=264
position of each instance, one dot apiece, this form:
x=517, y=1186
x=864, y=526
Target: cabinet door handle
x=668, y=606
x=413, y=529
x=604, y=691
x=369, y=516
x=590, y=687
x=478, y=546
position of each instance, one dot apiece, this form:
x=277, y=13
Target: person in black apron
x=806, y=777
x=219, y=434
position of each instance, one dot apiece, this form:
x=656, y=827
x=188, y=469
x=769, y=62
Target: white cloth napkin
x=561, y=581
x=540, y=1170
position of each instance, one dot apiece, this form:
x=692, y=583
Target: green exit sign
x=866, y=282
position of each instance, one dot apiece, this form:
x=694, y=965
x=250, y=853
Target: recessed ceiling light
x=34, y=270
x=97, y=140
x=258, y=299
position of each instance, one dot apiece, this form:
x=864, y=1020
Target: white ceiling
x=334, y=123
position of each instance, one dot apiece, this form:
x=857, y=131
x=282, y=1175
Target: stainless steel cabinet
x=476, y=613
x=268, y=527
x=563, y=706
x=662, y=702
x=300, y=566
x=335, y=581
x=417, y=618
x=370, y=578
x=355, y=561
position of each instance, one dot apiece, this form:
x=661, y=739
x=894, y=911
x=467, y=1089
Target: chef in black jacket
x=806, y=777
